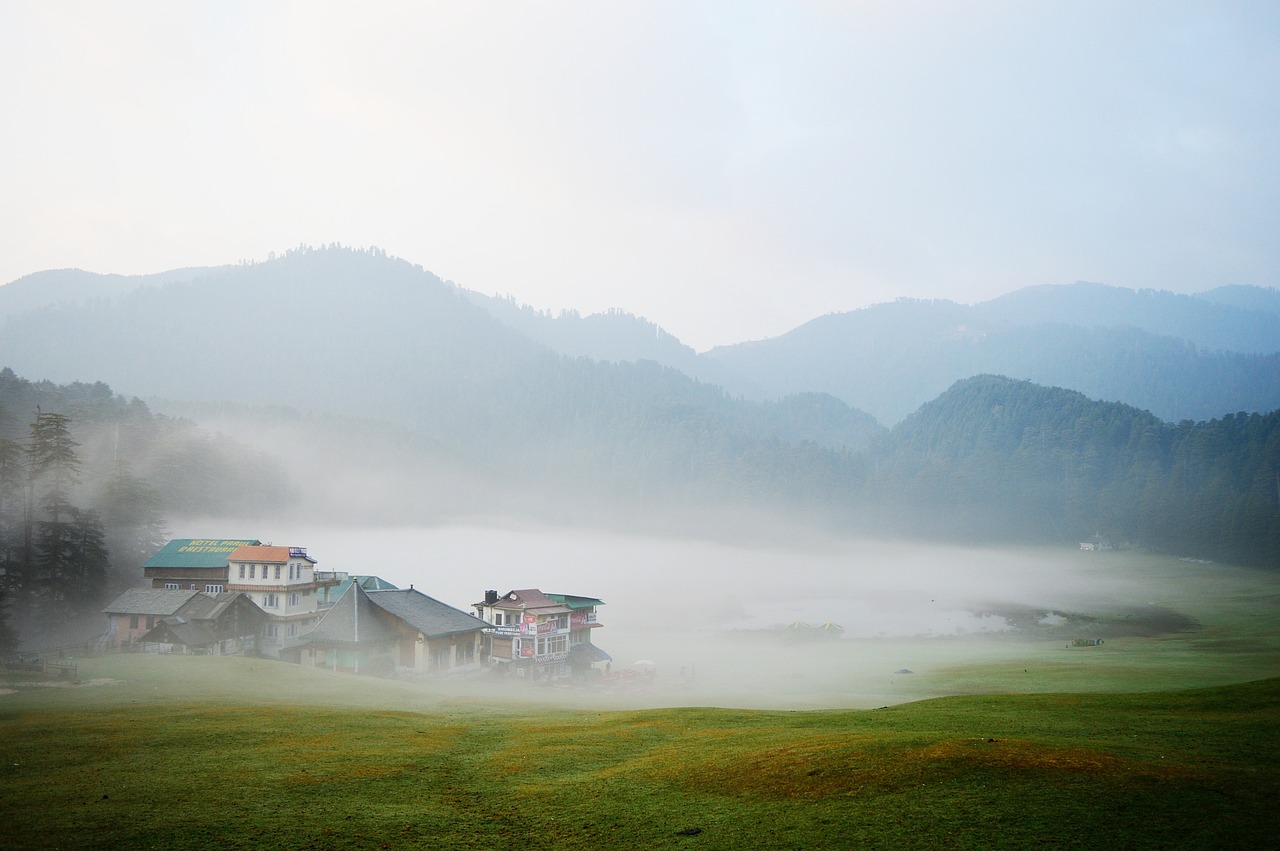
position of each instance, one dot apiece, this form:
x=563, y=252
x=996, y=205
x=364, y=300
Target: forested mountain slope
x=994, y=459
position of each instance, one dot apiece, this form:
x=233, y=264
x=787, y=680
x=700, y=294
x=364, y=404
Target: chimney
x=490, y=597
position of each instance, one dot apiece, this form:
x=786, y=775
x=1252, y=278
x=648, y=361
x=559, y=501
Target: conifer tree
x=66, y=557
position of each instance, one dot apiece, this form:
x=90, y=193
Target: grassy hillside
x=194, y=752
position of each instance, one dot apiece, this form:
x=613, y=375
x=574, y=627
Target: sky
x=726, y=170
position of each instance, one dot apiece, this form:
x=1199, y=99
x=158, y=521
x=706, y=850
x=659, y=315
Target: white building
x=284, y=584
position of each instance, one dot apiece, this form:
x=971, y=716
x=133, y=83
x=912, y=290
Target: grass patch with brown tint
x=1192, y=769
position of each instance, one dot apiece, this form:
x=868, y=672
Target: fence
x=36, y=665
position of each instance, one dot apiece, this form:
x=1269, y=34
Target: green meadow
x=1165, y=736
x=272, y=756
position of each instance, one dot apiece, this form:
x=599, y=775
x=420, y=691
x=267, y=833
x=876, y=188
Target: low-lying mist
x=711, y=598
x=721, y=624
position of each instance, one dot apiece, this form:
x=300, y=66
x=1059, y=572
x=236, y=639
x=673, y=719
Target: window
x=173, y=586
x=272, y=632
x=253, y=569
x=133, y=621
x=293, y=629
x=293, y=599
x=290, y=572
x=270, y=601
x=242, y=571
x=213, y=589
x=151, y=621
x=277, y=571
x=553, y=644
x=497, y=618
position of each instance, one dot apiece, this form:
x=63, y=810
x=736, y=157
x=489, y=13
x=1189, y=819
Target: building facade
x=284, y=584
x=542, y=636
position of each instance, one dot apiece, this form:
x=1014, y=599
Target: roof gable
x=352, y=620
x=211, y=607
x=176, y=630
x=196, y=552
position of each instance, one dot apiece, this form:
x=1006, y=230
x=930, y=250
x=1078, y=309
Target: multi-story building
x=283, y=581
x=541, y=635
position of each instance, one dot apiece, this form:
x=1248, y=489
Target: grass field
x=192, y=752
x=1165, y=736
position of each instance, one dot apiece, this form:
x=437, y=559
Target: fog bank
x=714, y=618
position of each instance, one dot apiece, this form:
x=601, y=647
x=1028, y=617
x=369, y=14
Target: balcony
x=544, y=628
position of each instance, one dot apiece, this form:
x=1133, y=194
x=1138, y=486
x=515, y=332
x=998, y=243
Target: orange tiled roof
x=267, y=554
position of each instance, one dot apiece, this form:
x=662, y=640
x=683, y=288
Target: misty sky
x=728, y=170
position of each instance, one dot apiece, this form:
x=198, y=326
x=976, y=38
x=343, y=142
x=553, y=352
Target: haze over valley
x=401, y=426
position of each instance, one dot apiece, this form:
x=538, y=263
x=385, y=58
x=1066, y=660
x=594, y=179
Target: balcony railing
x=552, y=657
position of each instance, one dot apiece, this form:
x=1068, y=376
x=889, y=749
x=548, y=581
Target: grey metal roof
x=149, y=601
x=426, y=614
x=351, y=620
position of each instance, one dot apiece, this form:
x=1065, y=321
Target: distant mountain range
x=1178, y=356
x=1048, y=414
x=1181, y=357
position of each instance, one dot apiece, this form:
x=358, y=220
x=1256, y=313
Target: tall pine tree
x=66, y=560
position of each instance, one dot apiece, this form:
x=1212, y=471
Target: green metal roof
x=575, y=602
x=197, y=552
x=368, y=583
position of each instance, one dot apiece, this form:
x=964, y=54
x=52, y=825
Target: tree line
x=87, y=482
